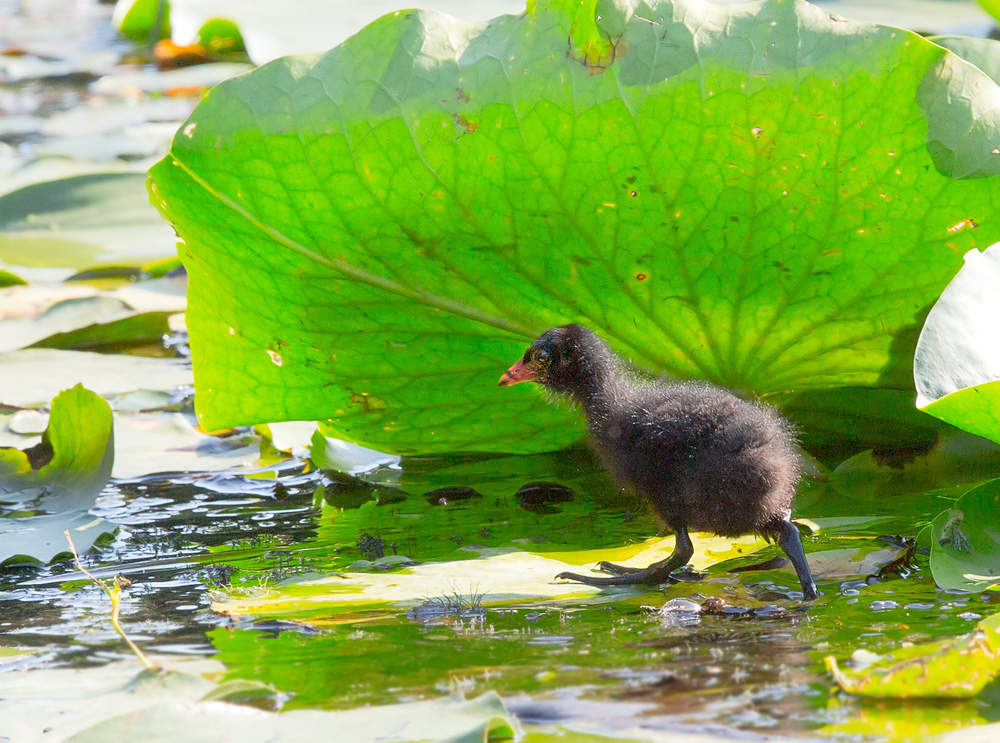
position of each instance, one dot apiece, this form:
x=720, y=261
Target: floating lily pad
x=120, y=701
x=965, y=541
x=63, y=474
x=506, y=578
x=81, y=323
x=958, y=667
x=74, y=460
x=82, y=221
x=30, y=377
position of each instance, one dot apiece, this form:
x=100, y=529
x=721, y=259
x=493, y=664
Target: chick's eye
x=541, y=354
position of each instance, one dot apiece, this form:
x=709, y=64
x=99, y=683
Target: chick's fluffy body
x=705, y=458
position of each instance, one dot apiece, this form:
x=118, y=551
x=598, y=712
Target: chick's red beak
x=520, y=372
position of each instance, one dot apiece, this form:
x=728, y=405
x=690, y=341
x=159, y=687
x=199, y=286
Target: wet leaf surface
x=959, y=667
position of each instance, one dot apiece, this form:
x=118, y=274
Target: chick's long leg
x=791, y=543
x=658, y=572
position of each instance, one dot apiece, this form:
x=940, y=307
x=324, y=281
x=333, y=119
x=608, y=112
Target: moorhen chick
x=706, y=459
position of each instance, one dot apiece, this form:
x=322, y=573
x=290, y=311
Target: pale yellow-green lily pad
x=31, y=377
x=120, y=701
x=507, y=578
x=167, y=442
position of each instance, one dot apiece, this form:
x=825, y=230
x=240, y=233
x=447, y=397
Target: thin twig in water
x=115, y=594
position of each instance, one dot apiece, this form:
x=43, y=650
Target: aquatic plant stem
x=115, y=594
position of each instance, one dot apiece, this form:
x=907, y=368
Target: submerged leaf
x=958, y=667
x=760, y=195
x=965, y=541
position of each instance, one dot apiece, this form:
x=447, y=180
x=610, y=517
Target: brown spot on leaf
x=368, y=403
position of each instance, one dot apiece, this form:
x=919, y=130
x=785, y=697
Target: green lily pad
x=965, y=541
x=30, y=377
x=726, y=192
x=81, y=221
x=9, y=279
x=956, y=368
x=509, y=577
x=957, y=667
x=75, y=457
x=63, y=474
x=78, y=323
x=132, y=330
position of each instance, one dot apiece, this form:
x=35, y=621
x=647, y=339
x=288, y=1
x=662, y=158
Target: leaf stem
x=115, y=594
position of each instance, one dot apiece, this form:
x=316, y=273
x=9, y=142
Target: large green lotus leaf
x=956, y=368
x=765, y=195
x=965, y=541
x=958, y=667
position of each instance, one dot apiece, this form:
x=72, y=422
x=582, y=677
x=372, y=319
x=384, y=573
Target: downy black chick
x=706, y=459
